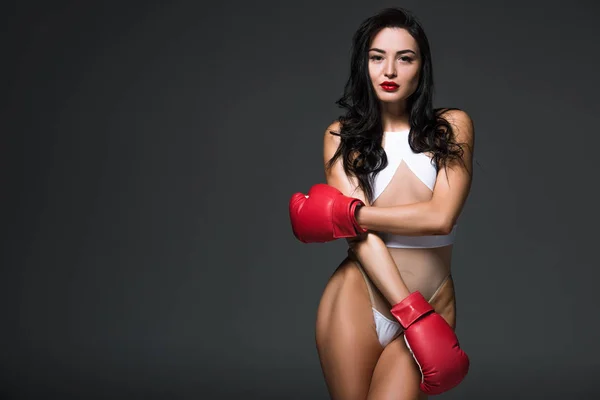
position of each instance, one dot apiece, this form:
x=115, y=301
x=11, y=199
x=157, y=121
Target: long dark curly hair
x=361, y=129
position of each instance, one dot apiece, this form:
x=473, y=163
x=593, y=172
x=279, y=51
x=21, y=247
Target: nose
x=390, y=69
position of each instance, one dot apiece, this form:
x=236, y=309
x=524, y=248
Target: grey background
x=148, y=153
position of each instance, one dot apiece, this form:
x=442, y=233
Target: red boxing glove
x=325, y=214
x=433, y=344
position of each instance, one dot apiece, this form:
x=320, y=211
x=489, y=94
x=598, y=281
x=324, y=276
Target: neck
x=394, y=117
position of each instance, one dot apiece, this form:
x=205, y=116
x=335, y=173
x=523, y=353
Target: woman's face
x=394, y=65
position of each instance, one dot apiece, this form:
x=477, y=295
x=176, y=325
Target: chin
x=391, y=99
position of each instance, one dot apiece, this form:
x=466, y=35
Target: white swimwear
x=403, y=166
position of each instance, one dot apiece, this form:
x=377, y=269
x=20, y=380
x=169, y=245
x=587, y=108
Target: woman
x=398, y=174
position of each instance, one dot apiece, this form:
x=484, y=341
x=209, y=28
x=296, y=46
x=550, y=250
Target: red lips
x=389, y=86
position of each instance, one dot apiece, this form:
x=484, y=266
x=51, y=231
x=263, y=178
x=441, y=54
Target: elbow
x=445, y=225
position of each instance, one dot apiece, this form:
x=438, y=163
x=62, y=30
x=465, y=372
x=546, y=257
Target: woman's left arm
x=438, y=215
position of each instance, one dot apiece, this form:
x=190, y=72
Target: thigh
x=345, y=333
x=397, y=375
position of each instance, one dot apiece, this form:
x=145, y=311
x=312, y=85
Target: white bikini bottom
x=387, y=330
x=442, y=300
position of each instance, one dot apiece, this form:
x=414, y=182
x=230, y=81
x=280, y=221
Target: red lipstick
x=389, y=86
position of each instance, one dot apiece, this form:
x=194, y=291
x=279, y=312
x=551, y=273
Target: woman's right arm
x=369, y=249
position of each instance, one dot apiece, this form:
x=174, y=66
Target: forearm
x=416, y=219
x=379, y=265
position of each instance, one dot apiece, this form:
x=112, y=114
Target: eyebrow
x=398, y=52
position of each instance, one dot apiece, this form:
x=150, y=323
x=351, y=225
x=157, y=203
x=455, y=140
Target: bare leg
x=396, y=375
x=354, y=364
x=345, y=333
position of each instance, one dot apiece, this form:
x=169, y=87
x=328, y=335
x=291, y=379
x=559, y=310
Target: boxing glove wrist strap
x=353, y=209
x=344, y=224
x=413, y=307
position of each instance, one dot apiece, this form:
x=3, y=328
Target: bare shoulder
x=461, y=123
x=335, y=126
x=332, y=138
x=334, y=164
x=333, y=130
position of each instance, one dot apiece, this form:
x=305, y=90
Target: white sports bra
x=397, y=150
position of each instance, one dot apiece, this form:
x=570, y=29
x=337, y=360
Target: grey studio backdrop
x=149, y=150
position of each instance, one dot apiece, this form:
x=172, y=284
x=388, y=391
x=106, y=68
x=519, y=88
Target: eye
x=376, y=57
x=406, y=59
